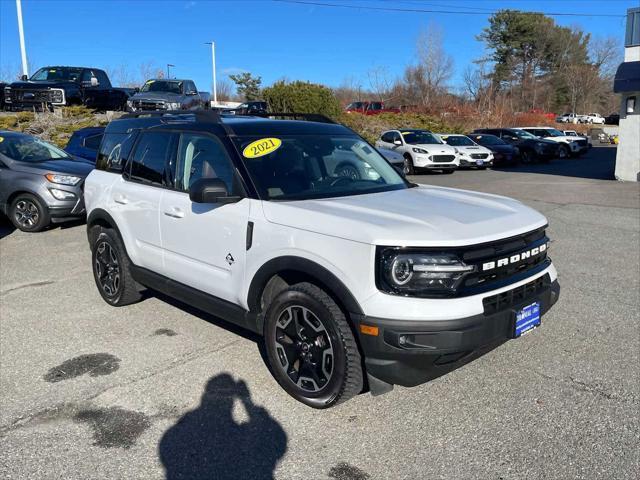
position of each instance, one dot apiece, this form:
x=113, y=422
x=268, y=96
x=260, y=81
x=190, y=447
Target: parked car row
x=589, y=118
x=60, y=86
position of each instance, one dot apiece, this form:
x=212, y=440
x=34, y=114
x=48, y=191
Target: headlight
x=174, y=106
x=63, y=179
x=420, y=150
x=62, y=194
x=420, y=274
x=57, y=95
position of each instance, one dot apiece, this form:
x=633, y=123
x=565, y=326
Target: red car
x=370, y=108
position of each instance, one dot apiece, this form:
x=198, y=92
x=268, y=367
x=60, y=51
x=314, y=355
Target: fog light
x=402, y=340
x=62, y=194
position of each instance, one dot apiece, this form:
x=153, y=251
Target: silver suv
x=39, y=183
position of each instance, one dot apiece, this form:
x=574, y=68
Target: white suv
x=421, y=150
x=355, y=283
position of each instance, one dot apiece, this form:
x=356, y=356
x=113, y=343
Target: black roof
x=231, y=124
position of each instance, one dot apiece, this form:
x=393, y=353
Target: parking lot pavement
x=156, y=389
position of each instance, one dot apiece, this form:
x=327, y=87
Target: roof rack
x=200, y=115
x=309, y=117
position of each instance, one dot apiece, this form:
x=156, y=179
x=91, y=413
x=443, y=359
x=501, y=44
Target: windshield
x=30, y=149
x=522, y=134
x=458, y=141
x=316, y=166
x=355, y=106
x=162, y=86
x=554, y=133
x=420, y=138
x=51, y=73
x=487, y=140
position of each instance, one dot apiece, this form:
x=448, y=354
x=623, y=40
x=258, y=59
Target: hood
x=41, y=85
x=419, y=216
x=501, y=148
x=80, y=168
x=155, y=96
x=473, y=149
x=435, y=149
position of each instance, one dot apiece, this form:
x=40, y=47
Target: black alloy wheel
x=310, y=347
x=348, y=171
x=407, y=166
x=112, y=268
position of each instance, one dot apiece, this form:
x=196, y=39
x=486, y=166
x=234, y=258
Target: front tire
x=311, y=349
x=564, y=151
x=28, y=213
x=408, y=168
x=112, y=270
x=527, y=156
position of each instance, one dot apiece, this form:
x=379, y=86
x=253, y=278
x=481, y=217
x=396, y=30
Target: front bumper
x=410, y=353
x=470, y=162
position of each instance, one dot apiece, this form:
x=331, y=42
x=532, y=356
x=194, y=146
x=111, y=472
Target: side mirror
x=397, y=142
x=24, y=78
x=210, y=190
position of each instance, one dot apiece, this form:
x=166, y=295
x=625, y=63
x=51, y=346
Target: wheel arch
x=279, y=273
x=102, y=218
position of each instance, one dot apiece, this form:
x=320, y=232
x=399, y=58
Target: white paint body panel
x=339, y=234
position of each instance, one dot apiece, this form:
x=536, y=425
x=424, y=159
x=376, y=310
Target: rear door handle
x=121, y=199
x=174, y=212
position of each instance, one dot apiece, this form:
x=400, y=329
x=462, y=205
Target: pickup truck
x=568, y=118
x=591, y=118
x=52, y=87
x=168, y=94
x=370, y=108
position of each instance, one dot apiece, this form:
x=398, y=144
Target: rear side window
x=387, y=137
x=114, y=151
x=149, y=160
x=93, y=142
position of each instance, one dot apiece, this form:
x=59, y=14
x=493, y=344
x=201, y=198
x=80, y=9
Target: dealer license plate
x=527, y=319
x=479, y=162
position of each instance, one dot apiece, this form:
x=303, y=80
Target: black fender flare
x=100, y=216
x=324, y=277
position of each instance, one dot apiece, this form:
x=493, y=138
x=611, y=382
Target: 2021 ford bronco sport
x=355, y=282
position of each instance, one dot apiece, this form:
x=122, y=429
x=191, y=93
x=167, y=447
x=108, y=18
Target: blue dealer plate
x=527, y=318
x=479, y=162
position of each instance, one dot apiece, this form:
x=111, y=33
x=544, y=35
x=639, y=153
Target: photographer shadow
x=208, y=443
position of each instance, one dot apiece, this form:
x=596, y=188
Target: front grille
x=478, y=156
x=35, y=96
x=511, y=298
x=582, y=142
x=443, y=158
x=149, y=105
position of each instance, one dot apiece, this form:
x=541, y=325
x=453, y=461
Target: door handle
x=121, y=199
x=174, y=213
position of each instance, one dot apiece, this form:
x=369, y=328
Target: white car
x=577, y=136
x=594, y=118
x=469, y=152
x=421, y=149
x=569, y=146
x=351, y=283
x=568, y=118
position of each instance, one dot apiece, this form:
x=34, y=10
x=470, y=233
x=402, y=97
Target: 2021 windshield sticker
x=261, y=147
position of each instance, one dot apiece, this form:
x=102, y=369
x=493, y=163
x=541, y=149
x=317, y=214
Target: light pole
x=213, y=71
x=23, y=50
x=168, y=66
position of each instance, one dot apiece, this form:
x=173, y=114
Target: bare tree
x=380, y=82
x=606, y=54
x=224, y=90
x=350, y=90
x=435, y=65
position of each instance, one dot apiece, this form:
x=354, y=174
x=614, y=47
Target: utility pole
x=213, y=71
x=23, y=50
x=168, y=66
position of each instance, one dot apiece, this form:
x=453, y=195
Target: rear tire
x=311, y=349
x=28, y=213
x=112, y=270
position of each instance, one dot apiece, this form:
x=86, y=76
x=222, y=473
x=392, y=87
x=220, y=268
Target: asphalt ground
x=159, y=390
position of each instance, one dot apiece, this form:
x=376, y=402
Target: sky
x=270, y=38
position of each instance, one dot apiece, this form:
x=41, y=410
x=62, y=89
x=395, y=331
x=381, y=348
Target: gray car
x=40, y=184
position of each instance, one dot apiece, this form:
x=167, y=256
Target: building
x=627, y=84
